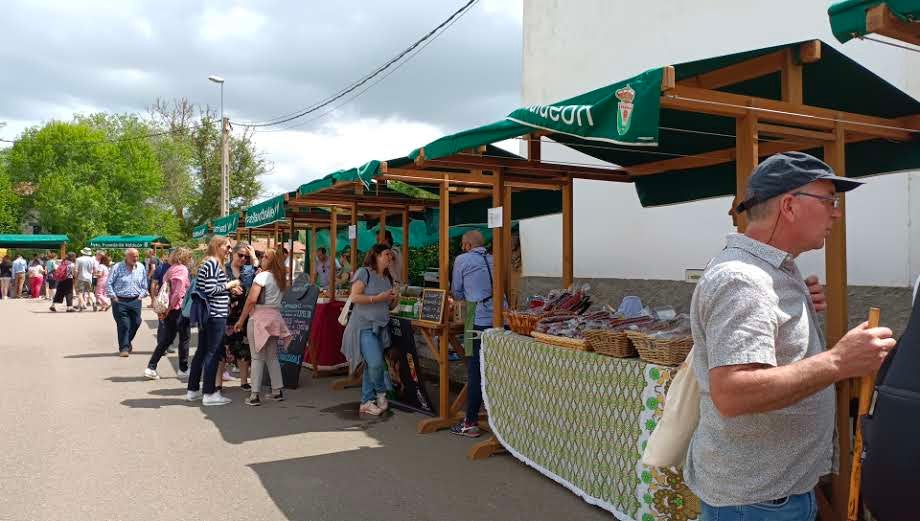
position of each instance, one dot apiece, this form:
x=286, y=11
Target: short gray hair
x=474, y=238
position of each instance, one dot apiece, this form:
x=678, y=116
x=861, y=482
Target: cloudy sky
x=59, y=58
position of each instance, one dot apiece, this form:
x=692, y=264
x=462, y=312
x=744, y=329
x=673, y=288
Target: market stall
x=121, y=242
x=35, y=241
x=713, y=120
x=897, y=19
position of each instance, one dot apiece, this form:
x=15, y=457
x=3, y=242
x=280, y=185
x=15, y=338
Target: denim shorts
x=801, y=507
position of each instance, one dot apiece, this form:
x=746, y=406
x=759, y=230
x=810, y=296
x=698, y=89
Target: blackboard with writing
x=405, y=373
x=433, y=301
x=297, y=308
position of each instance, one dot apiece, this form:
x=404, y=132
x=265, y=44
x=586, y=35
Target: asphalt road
x=85, y=436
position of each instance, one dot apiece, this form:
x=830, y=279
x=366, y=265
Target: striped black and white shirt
x=212, y=281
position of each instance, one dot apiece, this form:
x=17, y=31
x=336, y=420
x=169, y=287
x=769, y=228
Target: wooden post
x=791, y=77
x=568, y=245
x=498, y=253
x=333, y=238
x=506, y=242
x=249, y=231
x=312, y=250
x=837, y=319
x=405, y=245
x=291, y=255
x=745, y=160
x=276, y=236
x=866, y=387
x=533, y=148
x=354, y=242
x=382, y=232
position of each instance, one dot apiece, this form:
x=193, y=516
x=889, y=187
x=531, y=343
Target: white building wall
x=577, y=45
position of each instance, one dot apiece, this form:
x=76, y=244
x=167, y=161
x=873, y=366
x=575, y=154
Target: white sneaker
x=151, y=374
x=370, y=408
x=182, y=375
x=382, y=402
x=229, y=377
x=192, y=396
x=215, y=399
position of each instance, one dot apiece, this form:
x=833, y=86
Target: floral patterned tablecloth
x=583, y=419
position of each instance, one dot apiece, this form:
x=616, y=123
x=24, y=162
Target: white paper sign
x=495, y=217
x=352, y=232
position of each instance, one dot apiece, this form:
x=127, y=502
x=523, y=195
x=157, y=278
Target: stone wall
x=894, y=302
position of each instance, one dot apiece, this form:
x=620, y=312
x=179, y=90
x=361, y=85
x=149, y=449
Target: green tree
x=98, y=174
x=9, y=200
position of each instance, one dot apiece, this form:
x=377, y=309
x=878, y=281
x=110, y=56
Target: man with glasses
x=127, y=287
x=767, y=402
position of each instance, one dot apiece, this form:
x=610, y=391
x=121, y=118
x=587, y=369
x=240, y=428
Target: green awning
x=199, y=231
x=226, y=225
x=624, y=113
x=363, y=173
x=32, y=240
x=420, y=235
x=266, y=212
x=848, y=18
x=128, y=241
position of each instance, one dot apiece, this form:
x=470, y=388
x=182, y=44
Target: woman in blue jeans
x=212, y=284
x=367, y=334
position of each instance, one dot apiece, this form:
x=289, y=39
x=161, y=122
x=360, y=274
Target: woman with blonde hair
x=266, y=329
x=172, y=322
x=212, y=290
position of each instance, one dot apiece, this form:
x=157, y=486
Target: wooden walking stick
x=866, y=386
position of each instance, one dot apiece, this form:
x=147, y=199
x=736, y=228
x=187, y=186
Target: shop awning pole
x=405, y=245
x=568, y=265
x=333, y=236
x=291, y=255
x=498, y=253
x=354, y=242
x=312, y=250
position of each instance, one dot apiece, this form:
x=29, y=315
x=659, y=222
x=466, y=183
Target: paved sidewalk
x=86, y=436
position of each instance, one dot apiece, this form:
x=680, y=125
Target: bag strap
x=485, y=259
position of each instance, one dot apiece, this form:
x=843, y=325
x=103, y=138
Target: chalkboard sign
x=297, y=307
x=405, y=373
x=433, y=301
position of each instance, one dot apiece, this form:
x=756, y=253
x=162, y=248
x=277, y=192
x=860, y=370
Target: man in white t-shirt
x=85, y=268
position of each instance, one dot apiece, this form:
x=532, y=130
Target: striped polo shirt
x=212, y=281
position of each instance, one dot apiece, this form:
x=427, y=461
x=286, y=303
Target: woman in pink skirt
x=102, y=282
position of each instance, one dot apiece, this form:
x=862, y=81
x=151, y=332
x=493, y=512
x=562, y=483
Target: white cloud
x=236, y=23
x=302, y=156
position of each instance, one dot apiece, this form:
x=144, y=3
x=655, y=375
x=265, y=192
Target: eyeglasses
x=834, y=200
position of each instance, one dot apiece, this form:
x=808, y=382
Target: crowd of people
x=80, y=281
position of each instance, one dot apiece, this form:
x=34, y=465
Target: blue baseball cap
x=781, y=173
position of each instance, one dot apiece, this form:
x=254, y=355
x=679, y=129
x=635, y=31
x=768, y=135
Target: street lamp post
x=225, y=152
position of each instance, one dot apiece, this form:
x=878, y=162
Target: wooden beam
x=810, y=52
x=747, y=159
x=516, y=166
x=726, y=104
x=837, y=318
x=880, y=20
x=506, y=243
x=668, y=78
x=382, y=229
x=791, y=78
x=444, y=284
x=291, y=254
x=435, y=178
x=498, y=256
x=405, y=246
x=568, y=246
x=312, y=251
x=354, y=242
x=333, y=240
x=469, y=190
x=737, y=73
x=533, y=148
x=767, y=129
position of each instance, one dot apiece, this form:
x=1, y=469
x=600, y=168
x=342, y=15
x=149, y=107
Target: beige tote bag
x=668, y=444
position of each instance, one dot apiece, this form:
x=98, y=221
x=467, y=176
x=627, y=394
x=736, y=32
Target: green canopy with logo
x=848, y=18
x=624, y=113
x=226, y=225
x=128, y=241
x=32, y=240
x=199, y=231
x=266, y=212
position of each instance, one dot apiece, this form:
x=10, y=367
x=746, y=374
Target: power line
x=357, y=84
x=365, y=89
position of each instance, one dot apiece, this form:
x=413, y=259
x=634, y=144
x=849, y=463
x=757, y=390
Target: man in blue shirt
x=19, y=274
x=127, y=288
x=472, y=282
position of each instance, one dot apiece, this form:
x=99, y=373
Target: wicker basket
x=671, y=352
x=611, y=343
x=522, y=323
x=561, y=341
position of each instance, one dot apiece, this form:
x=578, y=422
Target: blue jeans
x=207, y=356
x=802, y=507
x=127, y=320
x=167, y=329
x=474, y=381
x=375, y=368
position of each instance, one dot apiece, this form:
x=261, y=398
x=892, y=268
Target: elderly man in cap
x=767, y=402
x=86, y=267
